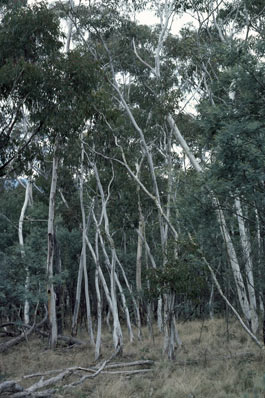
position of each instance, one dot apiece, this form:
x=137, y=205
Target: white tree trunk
x=239, y=282
x=27, y=199
x=245, y=243
x=260, y=293
x=139, y=254
x=77, y=298
x=117, y=333
x=171, y=337
x=101, y=275
x=83, y=255
x=99, y=303
x=50, y=256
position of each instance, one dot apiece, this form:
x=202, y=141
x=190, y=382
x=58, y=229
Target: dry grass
x=214, y=362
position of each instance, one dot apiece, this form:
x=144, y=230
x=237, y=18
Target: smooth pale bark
x=57, y=263
x=245, y=327
x=117, y=333
x=139, y=254
x=70, y=28
x=88, y=307
x=99, y=303
x=50, y=255
x=165, y=13
x=117, y=282
x=246, y=294
x=239, y=282
x=210, y=304
x=79, y=288
x=27, y=200
x=77, y=298
x=83, y=255
x=136, y=306
x=260, y=293
x=245, y=243
x=171, y=337
x=101, y=275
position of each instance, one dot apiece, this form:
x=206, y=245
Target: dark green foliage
x=185, y=275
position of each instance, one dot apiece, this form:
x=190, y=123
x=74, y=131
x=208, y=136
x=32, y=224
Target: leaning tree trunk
x=239, y=282
x=83, y=255
x=77, y=298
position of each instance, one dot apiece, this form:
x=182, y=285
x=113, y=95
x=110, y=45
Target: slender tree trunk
x=51, y=253
x=139, y=258
x=239, y=282
x=99, y=303
x=260, y=287
x=101, y=275
x=211, y=301
x=245, y=243
x=83, y=255
x=59, y=287
x=28, y=193
x=77, y=298
x=117, y=333
x=139, y=254
x=171, y=337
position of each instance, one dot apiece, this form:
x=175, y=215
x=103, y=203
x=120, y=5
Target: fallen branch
x=9, y=387
x=125, y=364
x=39, y=394
x=16, y=391
x=127, y=372
x=16, y=340
x=36, y=328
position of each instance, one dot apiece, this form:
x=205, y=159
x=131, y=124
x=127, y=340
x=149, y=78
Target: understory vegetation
x=217, y=360
x=132, y=198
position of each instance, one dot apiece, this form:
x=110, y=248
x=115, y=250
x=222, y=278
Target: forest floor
x=217, y=360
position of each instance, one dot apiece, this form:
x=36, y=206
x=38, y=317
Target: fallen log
x=70, y=340
x=39, y=394
x=16, y=340
x=10, y=387
x=36, y=328
x=36, y=390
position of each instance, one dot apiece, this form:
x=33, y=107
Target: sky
x=148, y=18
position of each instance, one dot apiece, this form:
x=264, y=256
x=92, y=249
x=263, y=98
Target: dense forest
x=132, y=169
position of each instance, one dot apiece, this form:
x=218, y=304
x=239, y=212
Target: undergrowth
x=216, y=360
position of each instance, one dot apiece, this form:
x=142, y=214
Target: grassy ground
x=215, y=362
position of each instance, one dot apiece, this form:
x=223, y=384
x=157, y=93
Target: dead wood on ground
x=27, y=330
x=79, y=375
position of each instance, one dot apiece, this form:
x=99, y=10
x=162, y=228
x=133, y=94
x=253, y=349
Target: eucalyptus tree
x=37, y=78
x=228, y=58
x=142, y=79
x=27, y=55
x=213, y=62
